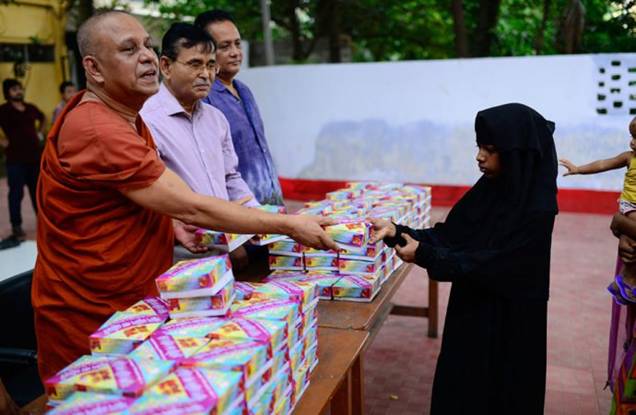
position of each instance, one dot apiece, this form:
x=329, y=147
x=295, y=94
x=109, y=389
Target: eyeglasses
x=198, y=66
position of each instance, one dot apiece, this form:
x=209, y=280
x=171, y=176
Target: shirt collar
x=170, y=103
x=218, y=86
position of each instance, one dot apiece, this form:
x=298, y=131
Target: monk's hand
x=381, y=228
x=185, y=235
x=307, y=230
x=407, y=252
x=626, y=249
x=242, y=200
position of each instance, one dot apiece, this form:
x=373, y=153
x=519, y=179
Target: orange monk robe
x=98, y=252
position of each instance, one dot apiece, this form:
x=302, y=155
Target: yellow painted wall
x=45, y=20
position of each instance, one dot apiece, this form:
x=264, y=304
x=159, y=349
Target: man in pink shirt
x=193, y=139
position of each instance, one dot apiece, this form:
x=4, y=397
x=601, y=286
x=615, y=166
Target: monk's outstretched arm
x=171, y=196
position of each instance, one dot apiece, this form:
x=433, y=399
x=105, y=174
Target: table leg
x=357, y=386
x=341, y=401
x=432, y=308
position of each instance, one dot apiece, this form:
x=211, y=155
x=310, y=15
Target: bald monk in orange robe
x=106, y=200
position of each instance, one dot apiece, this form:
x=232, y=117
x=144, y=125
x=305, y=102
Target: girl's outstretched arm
x=598, y=166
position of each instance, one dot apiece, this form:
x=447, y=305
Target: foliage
x=378, y=30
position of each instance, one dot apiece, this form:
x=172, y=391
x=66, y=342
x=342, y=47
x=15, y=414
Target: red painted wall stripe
x=570, y=200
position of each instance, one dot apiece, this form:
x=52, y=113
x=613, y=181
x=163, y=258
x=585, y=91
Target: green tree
x=379, y=30
x=610, y=26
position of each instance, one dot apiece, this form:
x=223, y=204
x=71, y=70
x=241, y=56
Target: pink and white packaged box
x=289, y=263
x=354, y=266
x=324, y=280
x=201, y=327
x=321, y=263
x=273, y=392
x=87, y=403
x=369, y=252
x=149, y=306
x=304, y=293
x=206, y=306
x=272, y=333
x=226, y=242
x=300, y=382
x=195, y=278
x=286, y=247
x=193, y=391
x=245, y=356
x=166, y=347
x=286, y=311
x=352, y=287
x=351, y=235
x=123, y=332
x=117, y=375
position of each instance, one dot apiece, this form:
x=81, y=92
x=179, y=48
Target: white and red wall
x=413, y=121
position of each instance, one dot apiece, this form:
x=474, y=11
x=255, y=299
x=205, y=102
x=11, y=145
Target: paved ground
x=401, y=362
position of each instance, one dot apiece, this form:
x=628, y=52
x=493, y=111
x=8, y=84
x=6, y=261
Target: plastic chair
x=18, y=348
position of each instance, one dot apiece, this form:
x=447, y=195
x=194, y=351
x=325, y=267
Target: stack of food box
x=358, y=269
x=256, y=359
x=198, y=288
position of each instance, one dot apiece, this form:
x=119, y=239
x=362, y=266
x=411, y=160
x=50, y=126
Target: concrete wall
x=413, y=121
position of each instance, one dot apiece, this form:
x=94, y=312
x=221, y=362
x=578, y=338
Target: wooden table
x=364, y=316
x=336, y=378
x=335, y=382
x=370, y=316
x=341, y=322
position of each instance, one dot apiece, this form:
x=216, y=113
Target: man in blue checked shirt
x=237, y=103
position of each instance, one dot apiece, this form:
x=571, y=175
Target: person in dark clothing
x=20, y=122
x=494, y=247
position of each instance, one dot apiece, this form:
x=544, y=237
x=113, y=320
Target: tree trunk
x=486, y=23
x=459, y=27
x=571, y=30
x=294, y=30
x=540, y=39
x=86, y=10
x=334, y=31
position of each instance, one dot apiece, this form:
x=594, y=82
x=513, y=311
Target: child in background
x=624, y=288
x=67, y=91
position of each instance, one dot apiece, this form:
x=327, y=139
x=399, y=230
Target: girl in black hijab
x=495, y=249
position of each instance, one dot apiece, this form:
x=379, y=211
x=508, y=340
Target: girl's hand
x=407, y=252
x=572, y=169
x=382, y=228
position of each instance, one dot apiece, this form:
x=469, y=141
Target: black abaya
x=495, y=249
